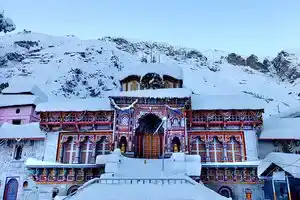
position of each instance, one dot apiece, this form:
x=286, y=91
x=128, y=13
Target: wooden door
x=151, y=146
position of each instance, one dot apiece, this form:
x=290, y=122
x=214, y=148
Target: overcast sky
x=263, y=27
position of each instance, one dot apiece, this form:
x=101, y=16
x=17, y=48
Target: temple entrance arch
x=148, y=144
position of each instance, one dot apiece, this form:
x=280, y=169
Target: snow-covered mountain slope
x=68, y=67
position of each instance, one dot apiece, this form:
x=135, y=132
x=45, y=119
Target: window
x=16, y=121
x=18, y=152
x=25, y=184
x=18, y=111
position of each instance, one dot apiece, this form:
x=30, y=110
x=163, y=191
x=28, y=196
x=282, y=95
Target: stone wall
x=11, y=168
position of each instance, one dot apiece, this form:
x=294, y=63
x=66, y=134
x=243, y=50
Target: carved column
x=93, y=149
x=225, y=158
x=77, y=148
x=242, y=152
x=207, y=151
x=61, y=155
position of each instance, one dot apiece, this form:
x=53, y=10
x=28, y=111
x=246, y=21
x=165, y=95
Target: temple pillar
x=207, y=151
x=61, y=155
x=225, y=158
x=77, y=148
x=242, y=152
x=93, y=149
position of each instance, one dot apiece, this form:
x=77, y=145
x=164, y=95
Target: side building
x=20, y=138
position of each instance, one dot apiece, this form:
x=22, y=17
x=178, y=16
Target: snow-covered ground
x=73, y=68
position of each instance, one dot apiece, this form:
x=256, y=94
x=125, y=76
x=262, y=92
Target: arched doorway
x=148, y=144
x=123, y=144
x=176, y=144
x=11, y=190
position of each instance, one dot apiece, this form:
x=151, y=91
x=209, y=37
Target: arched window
x=225, y=191
x=216, y=150
x=11, y=190
x=86, y=151
x=176, y=122
x=18, y=152
x=69, y=150
x=102, y=146
x=198, y=148
x=234, y=150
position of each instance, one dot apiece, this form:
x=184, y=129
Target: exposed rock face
x=252, y=61
x=235, y=59
x=26, y=44
x=284, y=66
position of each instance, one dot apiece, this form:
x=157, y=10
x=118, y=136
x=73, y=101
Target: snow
x=49, y=68
x=90, y=104
x=290, y=113
x=226, y=102
x=119, y=170
x=252, y=163
x=287, y=161
x=280, y=128
x=178, y=165
x=147, y=191
x=21, y=85
x=142, y=69
x=24, y=131
x=34, y=163
x=158, y=93
x=18, y=100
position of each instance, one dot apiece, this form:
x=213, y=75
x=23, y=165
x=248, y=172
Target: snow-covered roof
x=142, y=69
x=225, y=102
x=21, y=86
x=24, y=131
x=287, y=161
x=253, y=163
x=158, y=93
x=32, y=162
x=18, y=100
x=90, y=104
x=146, y=191
x=280, y=128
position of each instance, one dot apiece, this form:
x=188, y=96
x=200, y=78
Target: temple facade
x=152, y=116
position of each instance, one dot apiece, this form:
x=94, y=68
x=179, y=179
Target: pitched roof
x=24, y=131
x=287, y=161
x=18, y=100
x=225, y=102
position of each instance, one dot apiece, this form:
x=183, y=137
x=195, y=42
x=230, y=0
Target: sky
x=262, y=27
